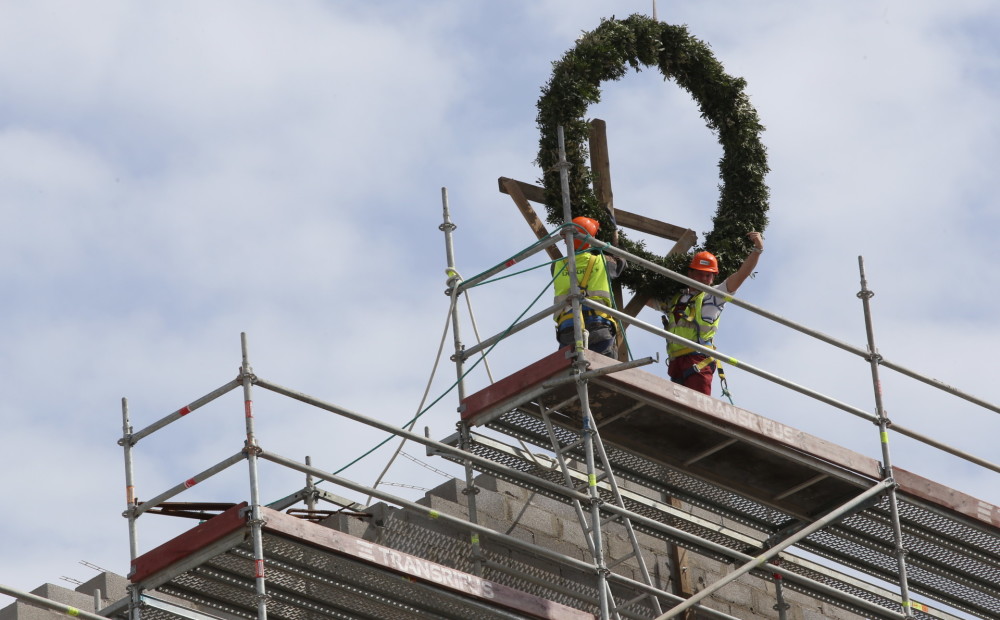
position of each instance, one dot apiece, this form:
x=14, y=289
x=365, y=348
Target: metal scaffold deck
x=759, y=473
x=316, y=571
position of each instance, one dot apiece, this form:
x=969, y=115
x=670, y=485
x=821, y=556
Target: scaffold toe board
x=758, y=472
x=311, y=569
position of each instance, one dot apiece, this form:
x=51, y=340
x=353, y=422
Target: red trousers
x=682, y=370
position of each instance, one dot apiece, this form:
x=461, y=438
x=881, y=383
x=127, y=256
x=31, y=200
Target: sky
x=175, y=174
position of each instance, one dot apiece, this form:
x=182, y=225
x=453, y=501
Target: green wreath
x=605, y=54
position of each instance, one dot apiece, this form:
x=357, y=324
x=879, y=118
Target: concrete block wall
x=112, y=588
x=552, y=524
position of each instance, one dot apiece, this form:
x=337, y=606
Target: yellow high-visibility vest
x=592, y=276
x=690, y=324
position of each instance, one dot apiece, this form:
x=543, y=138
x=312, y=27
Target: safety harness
x=685, y=319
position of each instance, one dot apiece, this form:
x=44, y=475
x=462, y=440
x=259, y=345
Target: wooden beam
x=649, y=225
x=600, y=164
x=679, y=564
x=531, y=192
x=625, y=219
x=636, y=304
x=513, y=189
x=685, y=243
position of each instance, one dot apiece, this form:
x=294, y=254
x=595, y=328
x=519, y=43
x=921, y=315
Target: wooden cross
x=523, y=194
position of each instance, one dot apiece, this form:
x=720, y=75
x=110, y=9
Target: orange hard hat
x=588, y=224
x=704, y=261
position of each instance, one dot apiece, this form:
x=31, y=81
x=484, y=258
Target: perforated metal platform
x=314, y=571
x=759, y=473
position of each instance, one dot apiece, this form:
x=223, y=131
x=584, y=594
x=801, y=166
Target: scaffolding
x=624, y=449
x=250, y=560
x=886, y=522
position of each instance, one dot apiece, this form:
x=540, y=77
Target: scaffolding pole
x=183, y=411
x=471, y=490
x=131, y=505
x=517, y=258
x=513, y=329
x=180, y=487
x=45, y=603
x=593, y=531
x=252, y=452
x=592, y=446
x=865, y=295
x=130, y=501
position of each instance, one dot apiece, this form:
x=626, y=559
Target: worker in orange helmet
x=594, y=272
x=694, y=315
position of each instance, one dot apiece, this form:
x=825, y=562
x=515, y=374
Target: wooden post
x=600, y=166
x=678, y=567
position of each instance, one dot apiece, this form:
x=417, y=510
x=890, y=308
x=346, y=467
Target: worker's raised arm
x=734, y=281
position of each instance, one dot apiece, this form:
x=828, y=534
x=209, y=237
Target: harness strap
x=724, y=384
x=590, y=269
x=697, y=368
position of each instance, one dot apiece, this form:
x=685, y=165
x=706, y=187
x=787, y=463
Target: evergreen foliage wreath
x=605, y=54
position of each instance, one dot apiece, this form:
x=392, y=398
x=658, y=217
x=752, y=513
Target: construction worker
x=694, y=315
x=594, y=272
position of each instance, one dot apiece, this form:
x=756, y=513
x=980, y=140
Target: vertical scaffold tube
x=130, y=506
x=579, y=367
x=570, y=264
x=130, y=502
x=780, y=605
x=883, y=426
x=448, y=227
x=471, y=490
x=252, y=450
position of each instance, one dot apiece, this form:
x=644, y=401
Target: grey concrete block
x=718, y=605
x=813, y=614
x=554, y=506
x=490, y=503
x=538, y=520
x=20, y=610
x=523, y=534
x=112, y=587
x=348, y=524
x=23, y=611
x=65, y=596
x=450, y=490
x=501, y=486
x=572, y=532
x=618, y=547
x=561, y=545
x=738, y=594
x=487, y=481
x=445, y=506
